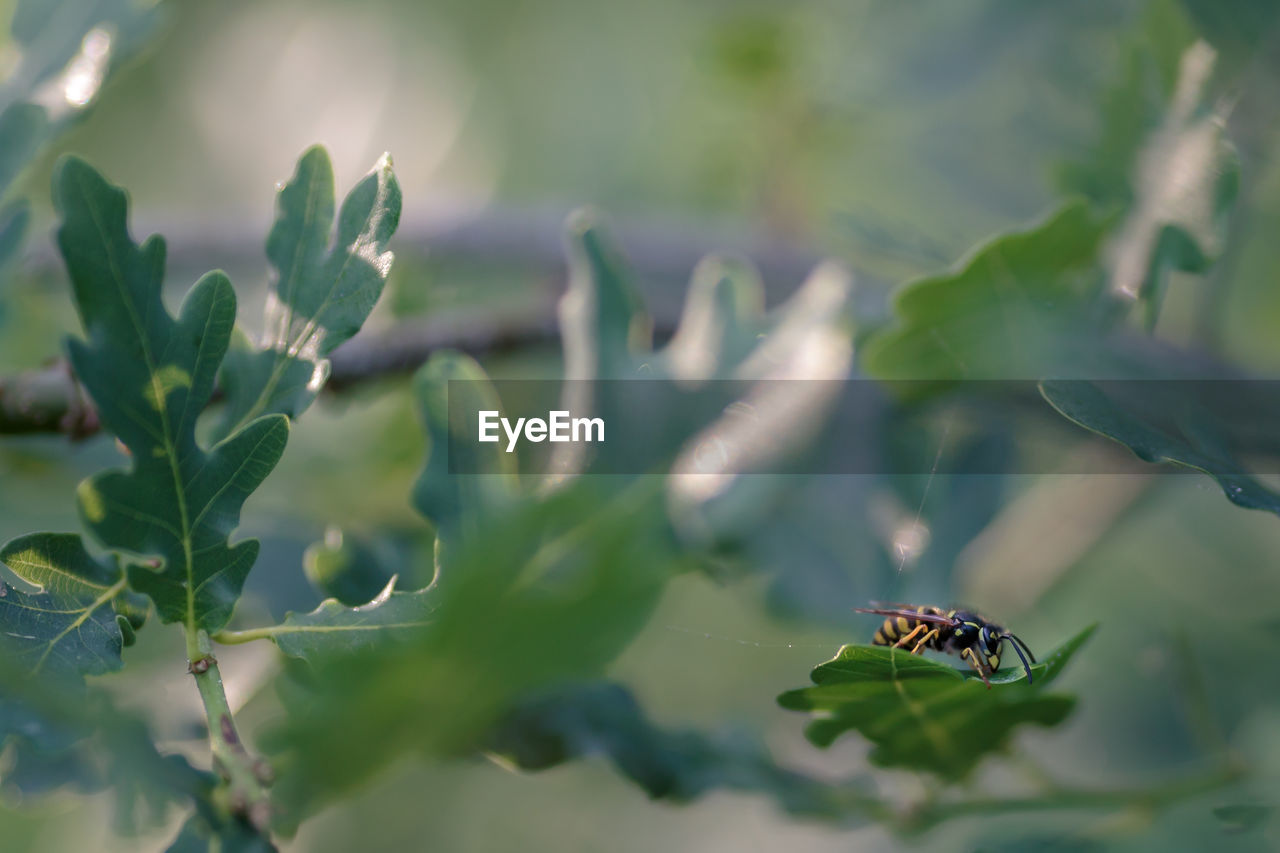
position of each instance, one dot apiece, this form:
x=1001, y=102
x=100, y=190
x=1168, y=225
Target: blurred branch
x=665, y=248
x=50, y=400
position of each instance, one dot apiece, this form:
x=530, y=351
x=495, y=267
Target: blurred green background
x=891, y=136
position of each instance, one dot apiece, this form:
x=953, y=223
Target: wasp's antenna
x=1018, y=645
x=1014, y=637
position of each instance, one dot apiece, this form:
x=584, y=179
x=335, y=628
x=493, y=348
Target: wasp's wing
x=908, y=613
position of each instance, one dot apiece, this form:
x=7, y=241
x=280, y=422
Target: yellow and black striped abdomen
x=897, y=627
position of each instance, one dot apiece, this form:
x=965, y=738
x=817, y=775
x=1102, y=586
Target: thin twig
x=1150, y=799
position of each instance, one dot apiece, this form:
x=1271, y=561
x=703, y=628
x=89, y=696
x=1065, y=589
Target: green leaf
x=1198, y=443
x=60, y=634
x=58, y=562
x=333, y=629
x=1243, y=817
x=723, y=334
x=24, y=128
x=1017, y=308
x=151, y=375
x=52, y=33
x=602, y=317
x=1132, y=106
x=459, y=505
x=322, y=289
x=540, y=587
x=1163, y=159
x=55, y=36
x=722, y=321
x=14, y=219
x=553, y=592
x=1185, y=183
x=68, y=628
x=210, y=832
x=59, y=735
x=675, y=764
x=926, y=715
x=352, y=569
x=1236, y=28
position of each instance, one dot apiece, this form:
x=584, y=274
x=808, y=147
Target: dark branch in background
x=50, y=400
x=530, y=239
x=46, y=400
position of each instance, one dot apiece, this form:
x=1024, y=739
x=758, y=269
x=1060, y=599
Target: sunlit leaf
x=721, y=324
x=1163, y=159
x=334, y=629
x=52, y=33
x=723, y=335
x=1017, y=308
x=68, y=627
x=323, y=286
x=150, y=375
x=1132, y=106
x=926, y=715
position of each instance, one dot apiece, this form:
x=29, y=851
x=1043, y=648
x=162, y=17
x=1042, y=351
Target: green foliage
x=459, y=507
x=723, y=334
x=565, y=587
x=1243, y=817
x=925, y=715
x=543, y=578
x=51, y=33
x=580, y=562
x=350, y=568
x=69, y=626
x=1166, y=427
x=209, y=832
x=1161, y=121
x=1132, y=107
x=323, y=287
x=151, y=375
x=23, y=129
x=51, y=36
x=1018, y=308
x=167, y=520
x=1048, y=303
x=678, y=765
x=59, y=734
x=333, y=628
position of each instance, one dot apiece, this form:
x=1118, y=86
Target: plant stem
x=233, y=638
x=929, y=815
x=245, y=779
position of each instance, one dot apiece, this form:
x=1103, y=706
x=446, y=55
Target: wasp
x=961, y=632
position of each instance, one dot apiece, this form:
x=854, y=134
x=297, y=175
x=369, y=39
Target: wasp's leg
x=924, y=640
x=972, y=658
x=906, y=641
